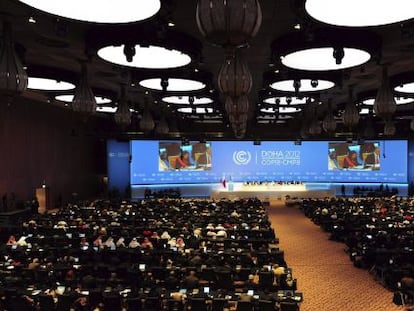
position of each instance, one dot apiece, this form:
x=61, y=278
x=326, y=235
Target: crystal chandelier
x=122, y=115
x=229, y=23
x=84, y=101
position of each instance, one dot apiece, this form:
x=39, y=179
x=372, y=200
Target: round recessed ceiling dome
x=174, y=84
x=69, y=98
x=44, y=84
x=99, y=11
x=405, y=88
x=284, y=100
x=398, y=99
x=360, y=13
x=320, y=59
x=151, y=57
x=185, y=100
x=307, y=85
x=197, y=110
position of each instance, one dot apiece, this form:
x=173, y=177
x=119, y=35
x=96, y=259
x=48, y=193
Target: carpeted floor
x=325, y=274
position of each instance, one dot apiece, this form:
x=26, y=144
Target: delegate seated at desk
x=351, y=161
x=183, y=161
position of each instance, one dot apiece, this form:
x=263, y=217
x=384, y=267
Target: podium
x=43, y=197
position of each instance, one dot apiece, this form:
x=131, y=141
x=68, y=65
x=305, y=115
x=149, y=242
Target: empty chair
x=174, y=305
x=19, y=304
x=112, y=301
x=266, y=279
x=64, y=302
x=134, y=304
x=266, y=305
x=198, y=304
x=152, y=304
x=218, y=304
x=46, y=303
x=244, y=306
x=289, y=306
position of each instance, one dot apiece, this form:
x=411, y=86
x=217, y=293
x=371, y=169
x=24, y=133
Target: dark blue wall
x=118, y=156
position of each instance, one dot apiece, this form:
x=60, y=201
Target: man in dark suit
x=373, y=158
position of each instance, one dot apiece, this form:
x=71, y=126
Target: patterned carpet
x=325, y=274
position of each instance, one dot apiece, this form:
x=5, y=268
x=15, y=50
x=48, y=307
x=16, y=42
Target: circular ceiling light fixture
x=306, y=85
x=398, y=99
x=99, y=11
x=364, y=111
x=357, y=13
x=285, y=100
x=100, y=100
x=146, y=57
x=326, y=49
x=45, y=84
x=106, y=109
x=322, y=59
x=172, y=84
x=109, y=109
x=407, y=88
x=197, y=110
x=280, y=110
x=186, y=100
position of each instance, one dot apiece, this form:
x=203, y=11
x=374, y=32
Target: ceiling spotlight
x=297, y=26
x=32, y=20
x=171, y=24
x=129, y=52
x=164, y=84
x=314, y=83
x=288, y=100
x=296, y=85
x=338, y=54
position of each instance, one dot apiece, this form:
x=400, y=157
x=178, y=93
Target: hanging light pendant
x=315, y=127
x=237, y=106
x=122, y=115
x=84, y=101
x=351, y=113
x=13, y=78
x=147, y=123
x=389, y=128
x=229, y=23
x=385, y=105
x=369, y=131
x=234, y=78
x=162, y=126
x=329, y=122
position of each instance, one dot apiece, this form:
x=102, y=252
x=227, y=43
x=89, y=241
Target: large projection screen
x=171, y=162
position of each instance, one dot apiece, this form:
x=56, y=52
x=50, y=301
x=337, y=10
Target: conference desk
x=269, y=191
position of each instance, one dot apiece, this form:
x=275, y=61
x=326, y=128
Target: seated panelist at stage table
x=351, y=160
x=183, y=161
x=373, y=158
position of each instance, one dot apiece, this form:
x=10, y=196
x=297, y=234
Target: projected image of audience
x=344, y=156
x=177, y=156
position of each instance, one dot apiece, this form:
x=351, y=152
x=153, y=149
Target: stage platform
x=267, y=192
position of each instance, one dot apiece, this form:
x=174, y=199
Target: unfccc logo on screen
x=242, y=157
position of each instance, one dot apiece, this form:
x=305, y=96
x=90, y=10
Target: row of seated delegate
x=378, y=232
x=170, y=252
